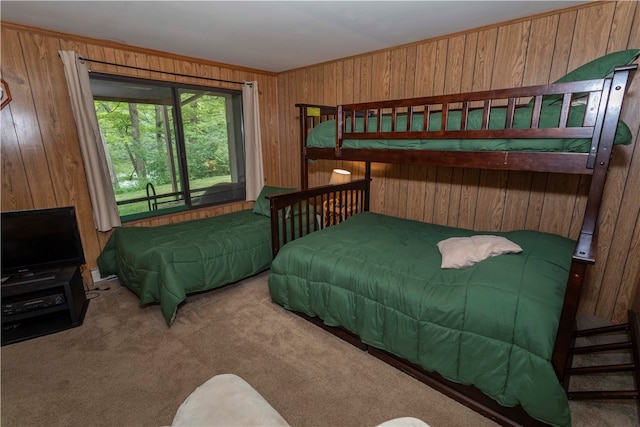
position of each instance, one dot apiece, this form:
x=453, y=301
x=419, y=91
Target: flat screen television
x=40, y=239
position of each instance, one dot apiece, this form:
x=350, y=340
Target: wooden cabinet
x=47, y=302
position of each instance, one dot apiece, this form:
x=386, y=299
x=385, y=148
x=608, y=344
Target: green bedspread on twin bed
x=492, y=325
x=324, y=134
x=165, y=263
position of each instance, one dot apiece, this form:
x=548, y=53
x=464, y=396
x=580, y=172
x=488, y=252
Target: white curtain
x=103, y=201
x=253, y=144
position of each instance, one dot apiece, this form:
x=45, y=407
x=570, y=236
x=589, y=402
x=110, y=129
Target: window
x=170, y=146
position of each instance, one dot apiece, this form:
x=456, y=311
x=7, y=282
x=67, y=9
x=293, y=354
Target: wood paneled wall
x=536, y=50
x=41, y=162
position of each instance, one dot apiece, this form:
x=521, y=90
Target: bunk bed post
x=367, y=193
x=339, y=125
x=608, y=117
x=275, y=229
x=304, y=173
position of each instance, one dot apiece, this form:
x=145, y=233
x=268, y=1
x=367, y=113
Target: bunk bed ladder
x=632, y=346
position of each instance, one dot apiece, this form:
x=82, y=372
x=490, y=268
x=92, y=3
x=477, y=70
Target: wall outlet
x=95, y=276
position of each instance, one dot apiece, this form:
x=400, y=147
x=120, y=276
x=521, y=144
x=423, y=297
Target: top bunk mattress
x=323, y=135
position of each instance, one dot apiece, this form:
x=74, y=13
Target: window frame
x=182, y=172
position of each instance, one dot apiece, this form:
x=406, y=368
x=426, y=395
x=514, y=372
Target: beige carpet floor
x=124, y=367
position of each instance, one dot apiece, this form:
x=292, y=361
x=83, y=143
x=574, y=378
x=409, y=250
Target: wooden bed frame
x=603, y=113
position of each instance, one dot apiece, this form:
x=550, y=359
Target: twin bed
x=164, y=264
x=494, y=335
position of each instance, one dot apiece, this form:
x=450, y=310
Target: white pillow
x=458, y=252
x=404, y=422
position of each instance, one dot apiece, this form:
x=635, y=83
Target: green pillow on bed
x=599, y=68
x=262, y=205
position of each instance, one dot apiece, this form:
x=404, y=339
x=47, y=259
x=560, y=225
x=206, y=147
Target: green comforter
x=165, y=263
x=492, y=325
x=324, y=134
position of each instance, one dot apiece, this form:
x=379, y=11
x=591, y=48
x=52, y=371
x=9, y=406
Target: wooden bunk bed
x=452, y=131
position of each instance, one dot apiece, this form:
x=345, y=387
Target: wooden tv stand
x=46, y=302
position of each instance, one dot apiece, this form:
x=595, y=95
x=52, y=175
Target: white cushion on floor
x=404, y=422
x=227, y=400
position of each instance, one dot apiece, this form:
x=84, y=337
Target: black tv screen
x=39, y=239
